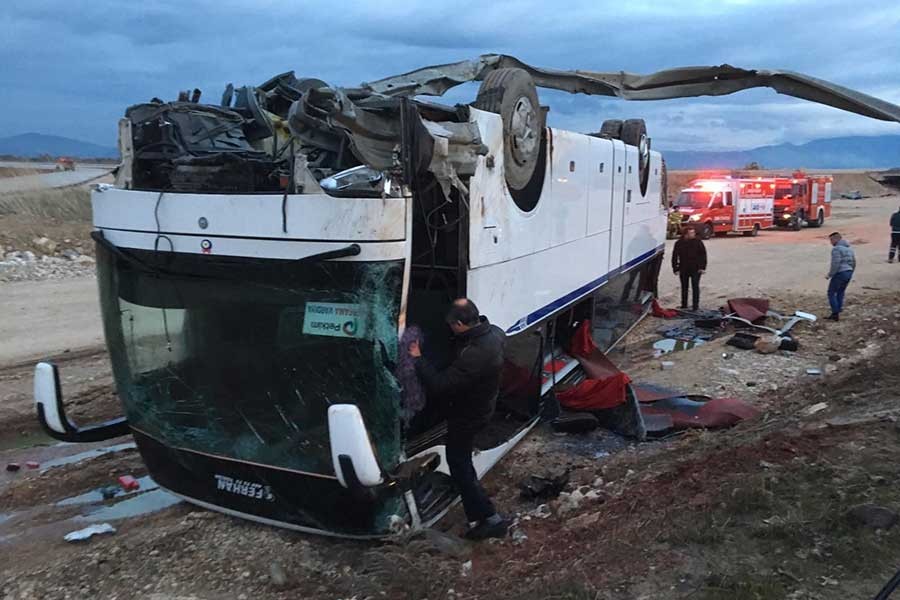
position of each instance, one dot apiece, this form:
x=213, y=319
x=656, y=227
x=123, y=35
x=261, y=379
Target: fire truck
x=802, y=198
x=719, y=205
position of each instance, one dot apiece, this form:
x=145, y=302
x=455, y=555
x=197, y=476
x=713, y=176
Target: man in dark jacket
x=689, y=262
x=469, y=387
x=895, y=236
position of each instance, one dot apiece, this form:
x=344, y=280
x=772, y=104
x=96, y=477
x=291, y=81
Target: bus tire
x=633, y=130
x=797, y=223
x=706, y=231
x=753, y=232
x=612, y=128
x=511, y=93
x=634, y=133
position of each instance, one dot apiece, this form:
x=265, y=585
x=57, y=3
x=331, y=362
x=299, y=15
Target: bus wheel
x=755, y=231
x=797, y=222
x=612, y=128
x=511, y=94
x=706, y=232
x=634, y=133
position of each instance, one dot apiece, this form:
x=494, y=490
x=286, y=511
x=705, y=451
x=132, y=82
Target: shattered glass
x=242, y=358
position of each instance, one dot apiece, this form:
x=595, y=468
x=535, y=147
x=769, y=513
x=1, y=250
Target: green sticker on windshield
x=334, y=319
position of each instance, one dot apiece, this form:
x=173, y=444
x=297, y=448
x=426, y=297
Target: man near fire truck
x=843, y=263
x=689, y=263
x=895, y=235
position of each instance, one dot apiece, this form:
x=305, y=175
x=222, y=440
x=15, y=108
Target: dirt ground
x=763, y=510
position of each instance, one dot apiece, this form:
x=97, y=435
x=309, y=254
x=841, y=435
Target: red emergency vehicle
x=802, y=198
x=719, y=205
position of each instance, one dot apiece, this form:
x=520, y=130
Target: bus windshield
x=693, y=199
x=241, y=357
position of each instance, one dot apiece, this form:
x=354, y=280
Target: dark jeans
x=895, y=243
x=836, y=288
x=460, y=444
x=694, y=277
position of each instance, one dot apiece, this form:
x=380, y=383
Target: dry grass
x=66, y=204
x=19, y=171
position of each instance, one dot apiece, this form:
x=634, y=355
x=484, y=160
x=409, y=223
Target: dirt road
x=45, y=318
x=796, y=261
x=759, y=511
x=52, y=180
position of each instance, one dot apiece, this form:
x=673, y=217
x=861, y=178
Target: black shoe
x=683, y=307
x=485, y=530
x=695, y=309
x=834, y=317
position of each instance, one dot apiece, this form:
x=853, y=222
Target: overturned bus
x=259, y=260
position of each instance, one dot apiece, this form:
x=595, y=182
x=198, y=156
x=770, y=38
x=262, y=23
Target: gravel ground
x=24, y=265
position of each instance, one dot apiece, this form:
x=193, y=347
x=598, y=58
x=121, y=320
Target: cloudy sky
x=70, y=67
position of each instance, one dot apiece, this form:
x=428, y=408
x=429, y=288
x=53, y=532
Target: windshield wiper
x=351, y=250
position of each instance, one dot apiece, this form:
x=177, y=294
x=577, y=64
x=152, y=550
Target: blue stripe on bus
x=585, y=289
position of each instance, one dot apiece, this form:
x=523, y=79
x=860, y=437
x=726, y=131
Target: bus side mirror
x=48, y=398
x=354, y=460
x=51, y=412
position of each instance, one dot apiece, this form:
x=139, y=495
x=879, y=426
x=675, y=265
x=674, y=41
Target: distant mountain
x=37, y=144
x=857, y=152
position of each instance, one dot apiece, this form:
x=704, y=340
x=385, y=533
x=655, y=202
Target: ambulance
x=802, y=198
x=719, y=205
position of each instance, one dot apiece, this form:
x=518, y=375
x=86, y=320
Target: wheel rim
x=522, y=131
x=644, y=152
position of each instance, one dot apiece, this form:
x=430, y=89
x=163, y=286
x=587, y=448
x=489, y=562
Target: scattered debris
x=129, y=483
x=789, y=344
x=666, y=365
x=667, y=345
x=277, y=574
x=660, y=312
x=575, y=422
x=814, y=371
x=744, y=341
x=768, y=345
x=32, y=464
x=88, y=532
x=466, y=568
x=874, y=516
x=519, y=536
x=815, y=408
x=569, y=503
x=543, y=488
x=541, y=512
x=13, y=467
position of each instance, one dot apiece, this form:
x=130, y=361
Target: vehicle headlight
x=694, y=218
x=786, y=214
